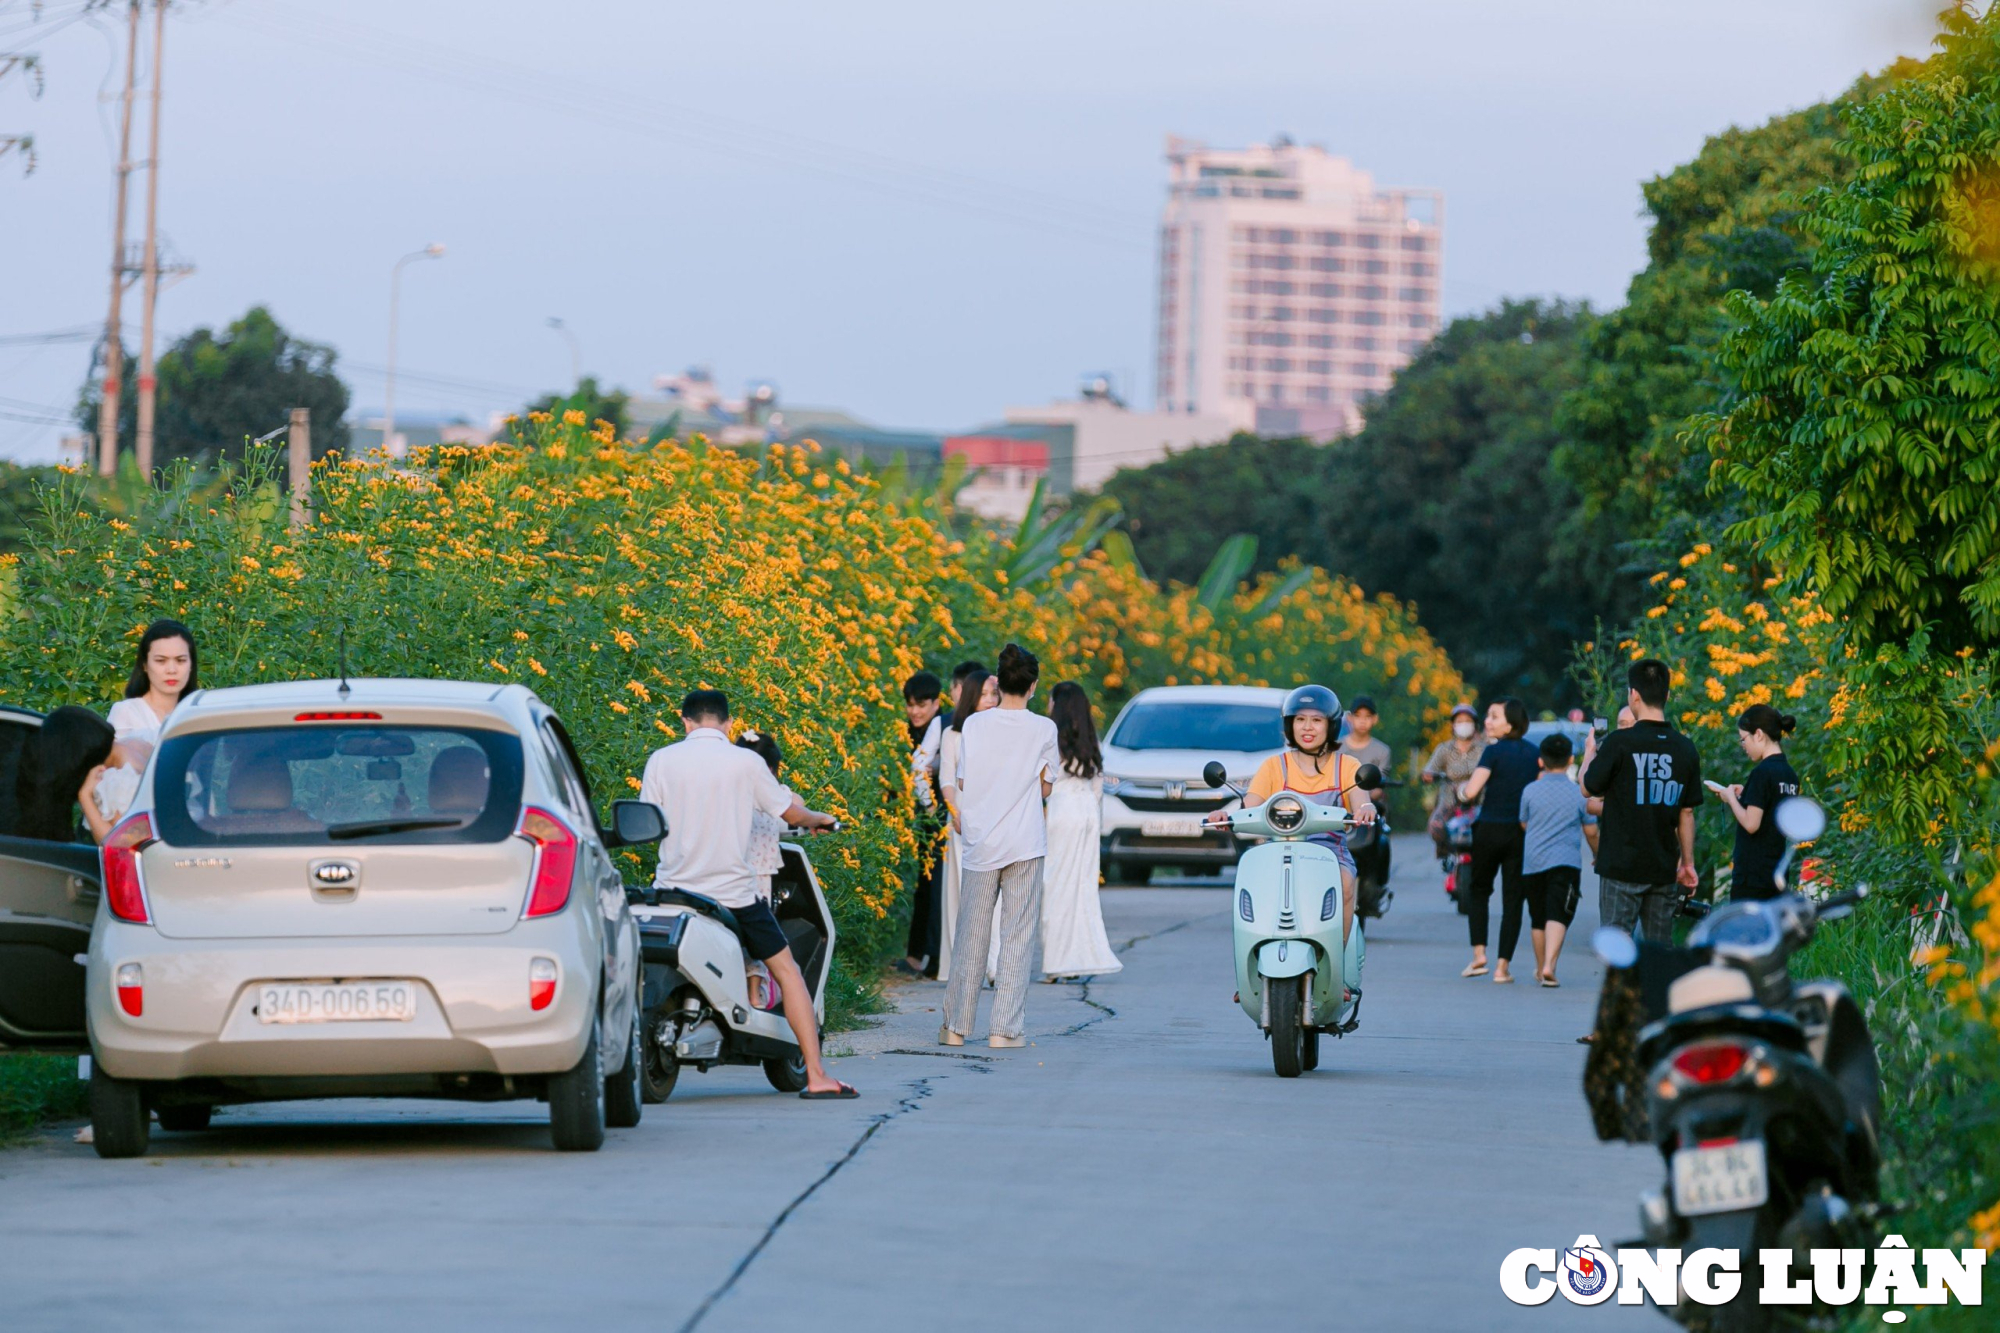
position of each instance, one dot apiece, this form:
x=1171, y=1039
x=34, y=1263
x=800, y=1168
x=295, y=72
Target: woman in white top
x=167, y=668
x=766, y=858
x=979, y=692
x=1073, y=940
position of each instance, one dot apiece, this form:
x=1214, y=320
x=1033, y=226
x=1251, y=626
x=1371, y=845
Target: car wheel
x=659, y=1068
x=120, y=1125
x=624, y=1096
x=787, y=1075
x=576, y=1101
x=185, y=1119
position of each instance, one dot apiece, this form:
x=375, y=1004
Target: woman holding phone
x=1761, y=731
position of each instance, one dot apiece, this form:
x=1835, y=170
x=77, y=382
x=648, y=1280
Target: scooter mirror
x=635, y=822
x=1614, y=946
x=1368, y=778
x=1800, y=819
x=1214, y=774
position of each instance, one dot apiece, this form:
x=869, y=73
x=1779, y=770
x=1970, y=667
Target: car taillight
x=124, y=891
x=555, y=861
x=541, y=983
x=1710, y=1062
x=131, y=989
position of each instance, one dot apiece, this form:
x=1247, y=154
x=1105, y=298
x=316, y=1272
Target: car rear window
x=1192, y=726
x=338, y=786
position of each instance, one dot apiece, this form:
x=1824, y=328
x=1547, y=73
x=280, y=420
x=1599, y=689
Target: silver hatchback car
x=383, y=888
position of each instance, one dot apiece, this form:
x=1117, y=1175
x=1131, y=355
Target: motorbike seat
x=701, y=903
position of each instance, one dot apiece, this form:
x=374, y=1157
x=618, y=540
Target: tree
x=1727, y=220
x=1180, y=510
x=217, y=391
x=595, y=404
x=1448, y=497
x=1864, y=427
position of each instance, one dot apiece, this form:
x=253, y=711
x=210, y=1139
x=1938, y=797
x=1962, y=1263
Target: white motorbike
x=1295, y=977
x=696, y=1007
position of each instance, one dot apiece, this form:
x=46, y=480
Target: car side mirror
x=1368, y=778
x=1214, y=774
x=635, y=822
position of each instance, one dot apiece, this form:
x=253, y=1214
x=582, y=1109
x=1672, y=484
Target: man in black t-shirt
x=1650, y=778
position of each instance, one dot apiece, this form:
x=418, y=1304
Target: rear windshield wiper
x=367, y=827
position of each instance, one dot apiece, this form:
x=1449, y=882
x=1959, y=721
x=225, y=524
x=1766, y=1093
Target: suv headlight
x=1285, y=813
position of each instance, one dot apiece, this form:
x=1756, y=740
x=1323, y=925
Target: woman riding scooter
x=1312, y=765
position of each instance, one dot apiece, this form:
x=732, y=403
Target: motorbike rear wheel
x=659, y=1068
x=1288, y=1029
x=787, y=1075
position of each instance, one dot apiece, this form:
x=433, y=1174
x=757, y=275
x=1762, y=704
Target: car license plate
x=1170, y=828
x=1720, y=1179
x=337, y=1002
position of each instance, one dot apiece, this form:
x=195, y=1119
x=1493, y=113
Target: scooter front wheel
x=1311, y=1060
x=1288, y=1029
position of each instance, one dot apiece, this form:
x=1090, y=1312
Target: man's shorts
x=762, y=935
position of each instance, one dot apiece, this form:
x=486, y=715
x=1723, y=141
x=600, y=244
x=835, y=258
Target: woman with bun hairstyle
x=1761, y=731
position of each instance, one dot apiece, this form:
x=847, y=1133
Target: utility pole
x=114, y=344
x=298, y=459
x=143, y=446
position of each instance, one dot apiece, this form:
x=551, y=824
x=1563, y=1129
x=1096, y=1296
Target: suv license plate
x=1720, y=1179
x=337, y=1002
x=1170, y=828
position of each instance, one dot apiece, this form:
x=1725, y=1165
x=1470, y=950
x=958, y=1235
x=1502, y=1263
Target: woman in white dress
x=979, y=692
x=1073, y=940
x=166, y=670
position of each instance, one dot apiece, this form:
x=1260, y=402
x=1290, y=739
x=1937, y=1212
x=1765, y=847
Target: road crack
x=919, y=1090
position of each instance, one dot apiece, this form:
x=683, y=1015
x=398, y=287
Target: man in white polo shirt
x=708, y=789
x=1007, y=760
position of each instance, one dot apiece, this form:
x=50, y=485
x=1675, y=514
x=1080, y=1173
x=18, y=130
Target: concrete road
x=1138, y=1167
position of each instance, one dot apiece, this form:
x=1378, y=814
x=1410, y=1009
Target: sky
x=921, y=213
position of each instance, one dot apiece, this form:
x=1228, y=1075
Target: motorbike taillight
x=1710, y=1061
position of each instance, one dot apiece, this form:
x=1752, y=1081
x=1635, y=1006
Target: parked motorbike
x=1369, y=844
x=696, y=1006
x=1763, y=1093
x=1457, y=862
x=1294, y=976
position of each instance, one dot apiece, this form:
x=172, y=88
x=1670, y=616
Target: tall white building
x=1291, y=287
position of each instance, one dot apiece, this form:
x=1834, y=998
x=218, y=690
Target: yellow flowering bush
x=611, y=577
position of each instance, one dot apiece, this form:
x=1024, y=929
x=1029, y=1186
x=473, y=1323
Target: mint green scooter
x=1293, y=975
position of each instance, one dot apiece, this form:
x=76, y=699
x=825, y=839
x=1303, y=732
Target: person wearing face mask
x=1451, y=763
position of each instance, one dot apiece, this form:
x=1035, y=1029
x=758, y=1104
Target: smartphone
x=1600, y=725
x=1714, y=786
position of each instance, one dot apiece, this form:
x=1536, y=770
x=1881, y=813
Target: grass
x=35, y=1089
x=850, y=998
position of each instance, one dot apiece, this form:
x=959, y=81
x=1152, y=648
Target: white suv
x=1154, y=796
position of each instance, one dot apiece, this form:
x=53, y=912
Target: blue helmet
x=1313, y=699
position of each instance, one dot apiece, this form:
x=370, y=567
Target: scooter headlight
x=1286, y=813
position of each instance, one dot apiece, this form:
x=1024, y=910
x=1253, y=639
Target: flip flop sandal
x=1474, y=970
x=841, y=1094
x=1503, y=981
x=1550, y=983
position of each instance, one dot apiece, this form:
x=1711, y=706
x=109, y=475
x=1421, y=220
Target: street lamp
x=431, y=251
x=575, y=354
